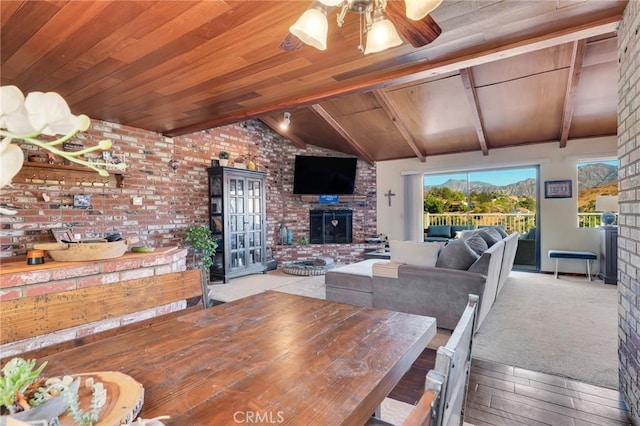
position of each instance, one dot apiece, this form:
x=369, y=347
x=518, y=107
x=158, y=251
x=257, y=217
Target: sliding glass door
x=502, y=197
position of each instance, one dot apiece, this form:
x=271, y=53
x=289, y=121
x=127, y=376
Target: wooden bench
x=36, y=316
x=573, y=254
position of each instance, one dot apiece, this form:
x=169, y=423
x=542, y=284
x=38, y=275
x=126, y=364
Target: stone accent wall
x=171, y=201
x=629, y=219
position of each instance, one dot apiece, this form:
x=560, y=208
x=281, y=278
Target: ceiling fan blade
x=418, y=33
x=291, y=43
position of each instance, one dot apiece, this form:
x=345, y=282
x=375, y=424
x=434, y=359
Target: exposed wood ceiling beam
x=418, y=72
x=472, y=97
x=577, y=58
x=287, y=134
x=362, y=153
x=396, y=117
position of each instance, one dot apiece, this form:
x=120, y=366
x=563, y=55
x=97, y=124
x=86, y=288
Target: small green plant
x=16, y=377
x=224, y=155
x=98, y=400
x=200, y=239
x=303, y=240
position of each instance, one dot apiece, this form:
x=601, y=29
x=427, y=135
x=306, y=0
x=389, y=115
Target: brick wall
x=16, y=285
x=171, y=201
x=629, y=220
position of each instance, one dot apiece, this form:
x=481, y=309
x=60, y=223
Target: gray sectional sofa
x=439, y=291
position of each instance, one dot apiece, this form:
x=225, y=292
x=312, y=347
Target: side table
x=375, y=254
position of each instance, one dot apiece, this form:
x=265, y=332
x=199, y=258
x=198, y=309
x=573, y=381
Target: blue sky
x=494, y=177
x=497, y=177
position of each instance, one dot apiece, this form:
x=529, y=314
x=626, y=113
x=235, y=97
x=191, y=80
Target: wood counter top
x=19, y=265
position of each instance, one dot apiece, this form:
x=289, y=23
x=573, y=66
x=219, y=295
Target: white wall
x=557, y=222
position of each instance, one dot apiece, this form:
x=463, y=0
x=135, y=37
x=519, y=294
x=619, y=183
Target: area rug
x=566, y=327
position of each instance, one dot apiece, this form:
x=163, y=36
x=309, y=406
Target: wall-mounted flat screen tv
x=324, y=175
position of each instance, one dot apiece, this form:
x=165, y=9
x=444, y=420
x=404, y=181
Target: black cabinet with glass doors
x=237, y=221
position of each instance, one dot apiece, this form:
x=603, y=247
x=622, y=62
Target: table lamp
x=608, y=204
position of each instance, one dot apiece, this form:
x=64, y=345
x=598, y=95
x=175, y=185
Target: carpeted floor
x=566, y=327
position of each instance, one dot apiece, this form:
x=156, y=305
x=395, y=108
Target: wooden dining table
x=270, y=358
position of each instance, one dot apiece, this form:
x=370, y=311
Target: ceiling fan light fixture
x=418, y=9
x=382, y=35
x=312, y=27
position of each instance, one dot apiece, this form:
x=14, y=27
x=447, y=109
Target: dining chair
x=442, y=403
x=453, y=361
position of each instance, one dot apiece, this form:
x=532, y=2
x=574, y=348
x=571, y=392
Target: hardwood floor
x=411, y=385
x=503, y=395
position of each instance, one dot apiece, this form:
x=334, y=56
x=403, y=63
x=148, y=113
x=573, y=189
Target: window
x=504, y=197
x=595, y=178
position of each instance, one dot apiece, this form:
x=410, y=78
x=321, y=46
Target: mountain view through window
x=500, y=197
x=595, y=178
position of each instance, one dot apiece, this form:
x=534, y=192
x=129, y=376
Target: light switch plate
x=137, y=201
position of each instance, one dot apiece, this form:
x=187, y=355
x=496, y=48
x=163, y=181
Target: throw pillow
x=456, y=255
x=488, y=237
x=501, y=231
x=477, y=244
x=493, y=231
x=414, y=253
x=443, y=231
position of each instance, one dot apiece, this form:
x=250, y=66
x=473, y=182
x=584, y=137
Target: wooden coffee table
x=273, y=357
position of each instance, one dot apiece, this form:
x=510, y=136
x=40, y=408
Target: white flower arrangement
x=40, y=114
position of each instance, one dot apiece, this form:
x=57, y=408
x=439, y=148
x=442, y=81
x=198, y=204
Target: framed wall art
x=82, y=201
x=557, y=189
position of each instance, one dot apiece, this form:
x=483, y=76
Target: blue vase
x=282, y=233
x=289, y=237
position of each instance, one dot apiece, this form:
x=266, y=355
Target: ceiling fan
x=380, y=21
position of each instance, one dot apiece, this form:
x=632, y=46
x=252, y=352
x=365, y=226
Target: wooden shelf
x=58, y=174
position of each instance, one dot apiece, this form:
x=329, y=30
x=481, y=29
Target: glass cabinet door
x=245, y=222
x=254, y=221
x=237, y=228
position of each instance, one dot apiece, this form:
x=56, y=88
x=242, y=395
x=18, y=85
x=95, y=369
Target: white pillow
x=414, y=252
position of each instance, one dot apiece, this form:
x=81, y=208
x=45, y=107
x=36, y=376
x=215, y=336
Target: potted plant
x=224, y=158
x=203, y=243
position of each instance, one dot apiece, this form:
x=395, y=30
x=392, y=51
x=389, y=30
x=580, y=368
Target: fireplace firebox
x=330, y=226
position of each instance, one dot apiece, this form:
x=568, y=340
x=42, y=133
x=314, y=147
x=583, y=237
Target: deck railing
x=520, y=222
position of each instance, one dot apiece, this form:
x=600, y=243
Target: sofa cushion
x=460, y=228
x=531, y=235
x=456, y=255
x=356, y=276
x=477, y=244
x=439, y=231
x=490, y=236
x=501, y=231
x=414, y=253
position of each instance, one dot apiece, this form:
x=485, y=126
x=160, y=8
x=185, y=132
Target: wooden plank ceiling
x=502, y=73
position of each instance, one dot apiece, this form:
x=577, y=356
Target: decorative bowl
x=50, y=410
